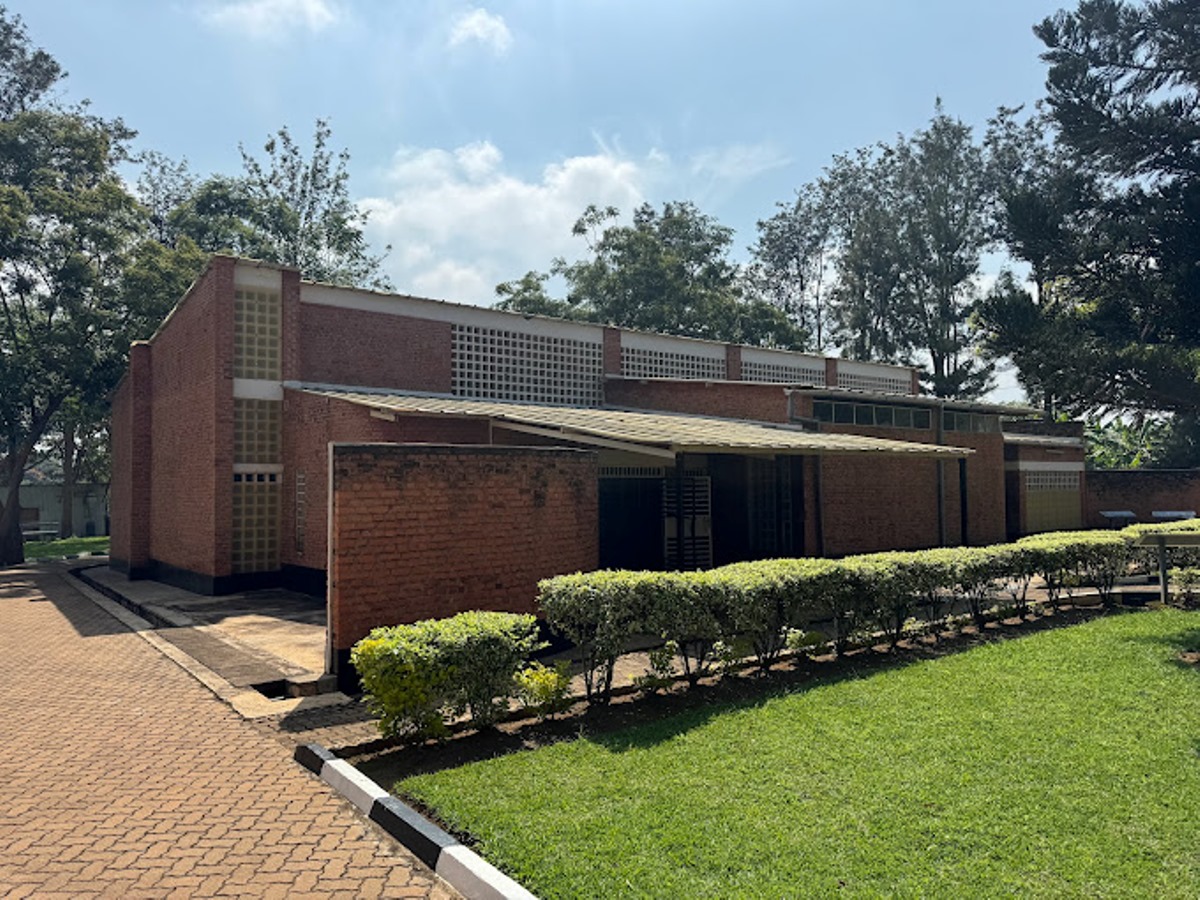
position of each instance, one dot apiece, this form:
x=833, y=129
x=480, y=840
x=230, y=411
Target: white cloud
x=269, y=18
x=482, y=27
x=459, y=222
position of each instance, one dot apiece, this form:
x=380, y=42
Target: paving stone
x=122, y=776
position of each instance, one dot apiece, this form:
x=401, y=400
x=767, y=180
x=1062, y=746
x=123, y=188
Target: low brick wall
x=426, y=531
x=1141, y=491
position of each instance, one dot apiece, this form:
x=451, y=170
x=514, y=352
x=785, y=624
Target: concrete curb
x=454, y=862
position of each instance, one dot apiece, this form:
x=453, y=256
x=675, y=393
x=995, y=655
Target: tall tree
x=887, y=244
x=288, y=208
x=1045, y=210
x=791, y=265
x=66, y=222
x=667, y=271
x=1123, y=90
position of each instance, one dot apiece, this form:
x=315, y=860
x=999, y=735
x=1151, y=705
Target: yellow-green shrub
x=415, y=676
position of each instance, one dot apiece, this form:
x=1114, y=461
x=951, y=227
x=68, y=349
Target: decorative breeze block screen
x=639, y=362
x=776, y=373
x=874, y=383
x=255, y=538
x=1052, y=481
x=256, y=334
x=1052, y=501
x=256, y=431
x=494, y=364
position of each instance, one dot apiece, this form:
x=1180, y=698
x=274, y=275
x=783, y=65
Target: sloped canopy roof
x=658, y=433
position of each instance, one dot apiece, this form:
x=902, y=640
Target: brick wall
x=350, y=346
x=311, y=423
x=1141, y=490
x=121, y=477
x=420, y=532
x=728, y=400
x=192, y=428
x=913, y=484
x=881, y=502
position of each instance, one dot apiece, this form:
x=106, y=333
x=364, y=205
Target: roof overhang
x=1043, y=440
x=850, y=394
x=659, y=434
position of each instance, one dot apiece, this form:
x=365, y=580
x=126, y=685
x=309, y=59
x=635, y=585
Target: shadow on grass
x=633, y=722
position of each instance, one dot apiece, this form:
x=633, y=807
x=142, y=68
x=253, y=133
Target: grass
x=65, y=547
x=1063, y=764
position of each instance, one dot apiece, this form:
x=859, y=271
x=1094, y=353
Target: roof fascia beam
x=580, y=438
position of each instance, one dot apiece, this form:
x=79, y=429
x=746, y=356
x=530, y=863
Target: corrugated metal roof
x=665, y=432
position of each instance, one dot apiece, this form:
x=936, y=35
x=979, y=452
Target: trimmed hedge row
x=417, y=677
x=759, y=603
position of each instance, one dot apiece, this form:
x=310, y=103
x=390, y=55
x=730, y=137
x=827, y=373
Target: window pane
x=920, y=418
x=903, y=418
x=864, y=415
x=822, y=411
x=883, y=416
x=843, y=413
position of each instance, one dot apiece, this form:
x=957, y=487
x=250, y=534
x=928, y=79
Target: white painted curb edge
x=455, y=863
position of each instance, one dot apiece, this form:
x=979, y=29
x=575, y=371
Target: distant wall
x=723, y=399
x=1141, y=491
x=89, y=508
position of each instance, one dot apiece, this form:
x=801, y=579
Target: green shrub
x=885, y=588
x=483, y=651
x=692, y=610
x=661, y=672
x=933, y=578
x=543, y=690
x=800, y=641
x=976, y=570
x=598, y=612
x=1054, y=561
x=405, y=687
x=1097, y=558
x=415, y=676
x=766, y=599
x=841, y=588
x=1015, y=566
x=1186, y=580
x=1145, y=559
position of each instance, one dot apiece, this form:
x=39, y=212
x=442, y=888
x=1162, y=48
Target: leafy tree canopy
x=67, y=225
x=1117, y=202
x=287, y=207
x=880, y=255
x=668, y=271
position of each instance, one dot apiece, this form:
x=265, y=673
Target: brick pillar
x=290, y=322
x=612, y=350
x=141, y=446
x=733, y=362
x=222, y=273
x=831, y=372
x=916, y=382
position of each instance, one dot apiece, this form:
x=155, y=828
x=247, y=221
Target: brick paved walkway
x=121, y=776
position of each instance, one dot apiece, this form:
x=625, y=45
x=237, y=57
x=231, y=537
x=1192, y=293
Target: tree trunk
x=66, y=516
x=12, y=543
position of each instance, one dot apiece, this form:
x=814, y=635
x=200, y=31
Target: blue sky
x=478, y=133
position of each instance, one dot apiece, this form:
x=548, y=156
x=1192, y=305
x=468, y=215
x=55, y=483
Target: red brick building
x=273, y=431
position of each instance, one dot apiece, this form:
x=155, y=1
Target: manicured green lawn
x=1063, y=764
x=65, y=547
